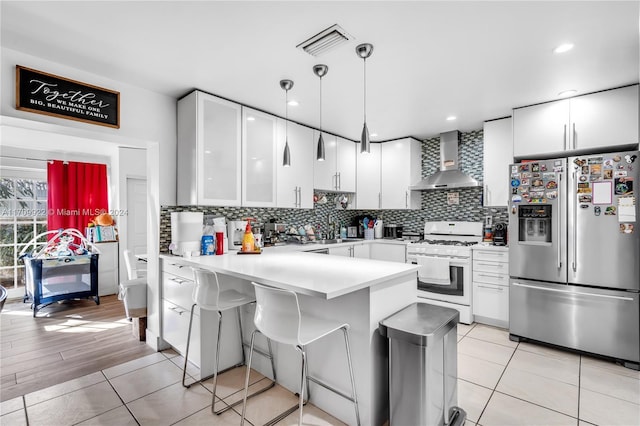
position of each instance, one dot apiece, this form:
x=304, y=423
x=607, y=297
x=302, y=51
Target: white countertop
x=346, y=242
x=489, y=246
x=312, y=274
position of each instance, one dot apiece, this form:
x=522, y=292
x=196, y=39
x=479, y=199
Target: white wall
x=145, y=116
x=147, y=120
x=132, y=163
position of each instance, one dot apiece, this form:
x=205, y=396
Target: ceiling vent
x=325, y=40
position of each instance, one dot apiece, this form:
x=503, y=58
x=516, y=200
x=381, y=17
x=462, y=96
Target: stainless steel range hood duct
x=448, y=176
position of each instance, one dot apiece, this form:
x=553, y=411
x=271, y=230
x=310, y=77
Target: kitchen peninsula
x=360, y=292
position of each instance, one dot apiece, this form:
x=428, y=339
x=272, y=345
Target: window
x=23, y=215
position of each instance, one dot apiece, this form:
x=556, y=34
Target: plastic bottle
x=220, y=243
x=206, y=245
x=248, y=240
x=343, y=232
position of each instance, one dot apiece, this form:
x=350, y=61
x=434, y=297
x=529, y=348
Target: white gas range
x=445, y=259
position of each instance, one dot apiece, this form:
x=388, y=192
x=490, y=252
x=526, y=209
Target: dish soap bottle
x=248, y=240
x=343, y=232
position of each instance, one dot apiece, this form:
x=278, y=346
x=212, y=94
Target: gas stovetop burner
x=446, y=242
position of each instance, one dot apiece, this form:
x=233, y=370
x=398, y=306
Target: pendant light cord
x=365, y=90
x=286, y=116
x=320, y=104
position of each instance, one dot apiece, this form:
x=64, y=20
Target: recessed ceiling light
x=207, y=151
x=373, y=135
x=451, y=118
x=251, y=118
x=293, y=102
x=565, y=47
x=567, y=93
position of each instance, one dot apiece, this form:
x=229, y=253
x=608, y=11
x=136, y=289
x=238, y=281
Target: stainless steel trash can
x=423, y=369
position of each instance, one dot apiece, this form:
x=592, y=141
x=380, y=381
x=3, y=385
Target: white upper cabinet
x=368, y=189
x=338, y=171
x=324, y=172
x=401, y=165
x=208, y=151
x=295, y=183
x=498, y=155
x=542, y=129
x=602, y=120
x=259, y=158
x=346, y=164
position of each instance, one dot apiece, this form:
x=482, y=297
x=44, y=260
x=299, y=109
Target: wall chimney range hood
x=448, y=176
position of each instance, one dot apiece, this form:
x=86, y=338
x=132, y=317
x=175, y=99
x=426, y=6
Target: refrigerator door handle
x=603, y=296
x=559, y=222
x=565, y=137
x=574, y=265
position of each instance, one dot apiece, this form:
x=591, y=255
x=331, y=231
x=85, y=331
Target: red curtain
x=76, y=193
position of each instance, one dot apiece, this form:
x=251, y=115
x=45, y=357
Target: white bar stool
x=207, y=296
x=130, y=263
x=278, y=317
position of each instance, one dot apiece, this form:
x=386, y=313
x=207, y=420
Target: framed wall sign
x=48, y=94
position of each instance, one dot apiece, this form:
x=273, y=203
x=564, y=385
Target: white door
x=346, y=164
x=324, y=172
x=541, y=129
x=295, y=183
x=137, y=216
x=368, y=181
x=497, y=156
x=605, y=119
x=259, y=158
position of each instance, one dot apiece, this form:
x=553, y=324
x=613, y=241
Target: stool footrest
x=281, y=416
x=331, y=388
x=211, y=375
x=238, y=402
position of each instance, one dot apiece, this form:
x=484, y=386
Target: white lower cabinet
x=491, y=286
x=341, y=251
x=177, y=291
x=360, y=251
x=107, y=268
x=388, y=252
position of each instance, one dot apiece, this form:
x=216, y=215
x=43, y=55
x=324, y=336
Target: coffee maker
x=236, y=230
x=500, y=234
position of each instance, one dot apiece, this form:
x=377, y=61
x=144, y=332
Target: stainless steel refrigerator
x=574, y=254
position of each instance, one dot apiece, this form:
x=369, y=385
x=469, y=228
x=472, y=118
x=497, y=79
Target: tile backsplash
x=434, y=205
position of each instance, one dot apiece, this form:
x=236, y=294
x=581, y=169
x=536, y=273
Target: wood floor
x=69, y=339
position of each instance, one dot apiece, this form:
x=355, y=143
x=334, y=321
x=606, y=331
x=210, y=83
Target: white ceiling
x=475, y=60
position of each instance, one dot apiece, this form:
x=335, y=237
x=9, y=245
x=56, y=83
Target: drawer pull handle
x=491, y=276
x=573, y=293
x=490, y=288
x=495, y=265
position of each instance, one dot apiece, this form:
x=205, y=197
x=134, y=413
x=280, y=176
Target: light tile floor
x=500, y=383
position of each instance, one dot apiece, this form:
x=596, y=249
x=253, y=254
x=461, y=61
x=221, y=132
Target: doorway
x=137, y=215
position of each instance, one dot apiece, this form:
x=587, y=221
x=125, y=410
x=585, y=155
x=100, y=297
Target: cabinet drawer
x=177, y=268
x=491, y=301
x=490, y=277
x=178, y=290
x=490, y=266
x=175, y=325
x=495, y=255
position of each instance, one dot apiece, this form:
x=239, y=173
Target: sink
x=337, y=240
x=333, y=241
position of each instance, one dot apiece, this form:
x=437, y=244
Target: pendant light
x=320, y=70
x=286, y=85
x=364, y=51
